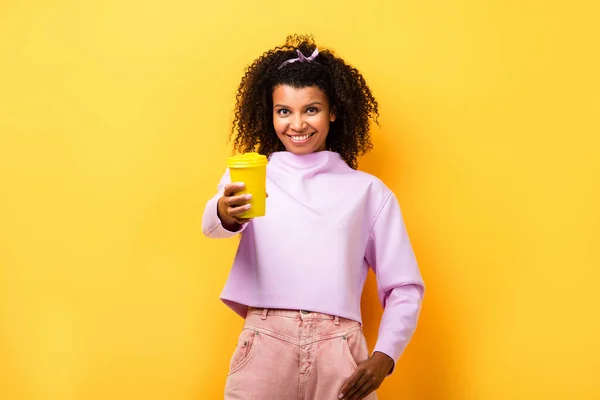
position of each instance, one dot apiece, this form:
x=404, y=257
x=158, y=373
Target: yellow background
x=113, y=122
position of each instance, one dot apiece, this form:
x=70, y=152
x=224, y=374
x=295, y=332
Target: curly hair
x=348, y=94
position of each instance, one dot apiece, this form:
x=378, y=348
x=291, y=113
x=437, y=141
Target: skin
x=298, y=113
x=368, y=376
x=301, y=112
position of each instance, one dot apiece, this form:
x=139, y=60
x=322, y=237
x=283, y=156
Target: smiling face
x=301, y=118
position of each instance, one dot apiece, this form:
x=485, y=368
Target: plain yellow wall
x=113, y=121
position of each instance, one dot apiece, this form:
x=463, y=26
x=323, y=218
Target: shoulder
x=375, y=191
x=376, y=185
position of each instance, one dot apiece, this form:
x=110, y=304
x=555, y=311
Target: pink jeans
x=294, y=355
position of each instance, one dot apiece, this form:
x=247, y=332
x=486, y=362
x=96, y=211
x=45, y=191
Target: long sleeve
x=211, y=224
x=399, y=282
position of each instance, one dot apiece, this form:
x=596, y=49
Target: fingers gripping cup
x=251, y=169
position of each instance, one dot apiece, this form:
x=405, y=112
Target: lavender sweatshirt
x=325, y=225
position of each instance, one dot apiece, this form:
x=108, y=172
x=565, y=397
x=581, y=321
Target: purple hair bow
x=301, y=58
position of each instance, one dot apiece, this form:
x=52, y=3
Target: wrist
x=387, y=360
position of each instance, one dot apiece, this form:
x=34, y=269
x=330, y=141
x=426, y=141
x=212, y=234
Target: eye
x=283, y=112
x=312, y=110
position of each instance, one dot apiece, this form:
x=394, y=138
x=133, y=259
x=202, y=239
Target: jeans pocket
x=355, y=346
x=246, y=345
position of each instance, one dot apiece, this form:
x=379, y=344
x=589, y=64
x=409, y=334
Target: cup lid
x=245, y=160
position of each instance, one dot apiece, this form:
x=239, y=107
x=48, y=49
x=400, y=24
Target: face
x=301, y=118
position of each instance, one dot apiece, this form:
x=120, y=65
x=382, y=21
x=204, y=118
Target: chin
x=300, y=150
x=296, y=150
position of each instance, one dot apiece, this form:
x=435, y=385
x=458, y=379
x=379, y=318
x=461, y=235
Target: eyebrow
x=314, y=103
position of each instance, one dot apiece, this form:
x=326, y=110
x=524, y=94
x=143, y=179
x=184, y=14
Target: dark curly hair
x=348, y=94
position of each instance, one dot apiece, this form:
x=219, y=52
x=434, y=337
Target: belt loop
x=336, y=320
x=264, y=313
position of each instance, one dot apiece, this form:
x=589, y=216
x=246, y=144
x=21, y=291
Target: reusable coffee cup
x=251, y=169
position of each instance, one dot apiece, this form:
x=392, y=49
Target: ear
x=332, y=115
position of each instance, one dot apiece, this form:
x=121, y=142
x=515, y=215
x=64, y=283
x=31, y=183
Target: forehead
x=288, y=95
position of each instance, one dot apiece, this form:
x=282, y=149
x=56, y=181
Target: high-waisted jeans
x=294, y=355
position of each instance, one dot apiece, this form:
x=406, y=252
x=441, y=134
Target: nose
x=297, y=123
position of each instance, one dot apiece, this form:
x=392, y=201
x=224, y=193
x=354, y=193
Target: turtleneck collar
x=317, y=160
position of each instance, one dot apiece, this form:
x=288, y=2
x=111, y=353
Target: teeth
x=299, y=138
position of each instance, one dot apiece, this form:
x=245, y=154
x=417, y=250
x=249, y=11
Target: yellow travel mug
x=251, y=169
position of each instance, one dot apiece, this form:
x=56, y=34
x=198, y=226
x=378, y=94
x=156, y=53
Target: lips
x=300, y=138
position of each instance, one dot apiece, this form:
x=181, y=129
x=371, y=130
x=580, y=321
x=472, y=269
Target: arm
x=400, y=288
x=214, y=222
x=399, y=281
